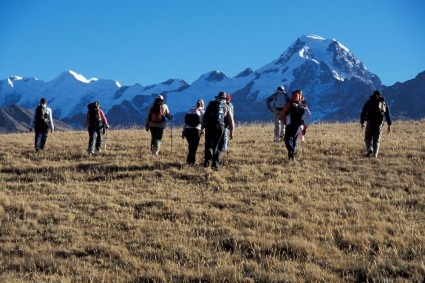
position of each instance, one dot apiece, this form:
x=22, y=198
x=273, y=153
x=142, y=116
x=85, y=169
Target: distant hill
x=407, y=99
x=16, y=118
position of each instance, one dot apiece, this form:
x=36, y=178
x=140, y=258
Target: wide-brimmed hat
x=221, y=95
x=281, y=88
x=160, y=97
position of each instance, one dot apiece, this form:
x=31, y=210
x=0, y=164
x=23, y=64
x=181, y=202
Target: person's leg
x=92, y=136
x=291, y=135
x=225, y=139
x=99, y=140
x=276, y=121
x=37, y=140
x=156, y=134
x=377, y=140
x=209, y=146
x=368, y=138
x=219, y=145
x=193, y=137
x=44, y=135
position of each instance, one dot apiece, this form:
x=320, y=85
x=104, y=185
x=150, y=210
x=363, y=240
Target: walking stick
x=106, y=136
x=171, y=128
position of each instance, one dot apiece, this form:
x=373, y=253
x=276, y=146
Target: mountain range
x=334, y=81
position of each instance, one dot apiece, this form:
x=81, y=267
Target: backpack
x=296, y=111
x=280, y=100
x=42, y=121
x=381, y=106
x=95, y=119
x=156, y=114
x=214, y=115
x=192, y=118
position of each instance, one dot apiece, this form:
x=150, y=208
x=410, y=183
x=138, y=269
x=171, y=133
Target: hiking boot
x=368, y=154
x=37, y=148
x=290, y=155
x=207, y=163
x=276, y=140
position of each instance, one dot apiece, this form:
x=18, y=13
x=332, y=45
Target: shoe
x=37, y=148
x=276, y=140
x=98, y=149
x=206, y=164
x=375, y=155
x=290, y=155
x=368, y=154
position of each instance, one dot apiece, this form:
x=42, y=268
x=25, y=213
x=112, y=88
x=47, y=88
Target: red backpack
x=156, y=114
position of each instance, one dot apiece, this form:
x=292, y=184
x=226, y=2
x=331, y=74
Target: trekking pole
x=171, y=128
x=106, y=137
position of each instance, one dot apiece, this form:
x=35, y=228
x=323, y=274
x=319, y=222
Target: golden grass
x=126, y=216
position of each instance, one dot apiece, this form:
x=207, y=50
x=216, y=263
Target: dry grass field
x=127, y=216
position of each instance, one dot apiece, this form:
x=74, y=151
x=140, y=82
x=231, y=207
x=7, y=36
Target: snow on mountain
x=334, y=81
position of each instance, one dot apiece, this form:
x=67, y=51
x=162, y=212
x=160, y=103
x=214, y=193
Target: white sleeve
x=307, y=117
x=51, y=119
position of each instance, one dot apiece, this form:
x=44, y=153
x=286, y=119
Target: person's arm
x=52, y=126
x=284, y=112
x=388, y=118
x=306, y=119
x=230, y=123
x=167, y=112
x=268, y=100
x=103, y=116
x=364, y=113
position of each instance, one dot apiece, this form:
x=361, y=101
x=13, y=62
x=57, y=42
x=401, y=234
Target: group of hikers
x=291, y=117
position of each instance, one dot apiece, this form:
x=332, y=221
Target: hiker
x=41, y=121
x=155, y=122
x=192, y=129
x=373, y=112
x=96, y=124
x=226, y=132
x=217, y=118
x=278, y=100
x=294, y=115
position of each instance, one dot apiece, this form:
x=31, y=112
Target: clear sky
x=150, y=41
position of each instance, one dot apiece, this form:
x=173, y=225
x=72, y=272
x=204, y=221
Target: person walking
x=41, y=122
x=155, y=122
x=226, y=132
x=373, y=112
x=96, y=124
x=275, y=103
x=295, y=115
x=217, y=118
x=192, y=130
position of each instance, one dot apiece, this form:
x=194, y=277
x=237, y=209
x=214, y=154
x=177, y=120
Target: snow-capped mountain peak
x=71, y=75
x=324, y=68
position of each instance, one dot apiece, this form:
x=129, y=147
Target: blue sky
x=150, y=41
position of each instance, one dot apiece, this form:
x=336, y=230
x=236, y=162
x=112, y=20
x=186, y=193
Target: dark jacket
x=372, y=111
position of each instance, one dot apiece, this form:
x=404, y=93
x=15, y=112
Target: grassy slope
x=332, y=215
